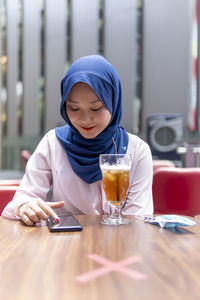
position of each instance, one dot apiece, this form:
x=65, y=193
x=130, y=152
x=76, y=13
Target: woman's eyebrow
x=95, y=101
x=74, y=101
x=70, y=100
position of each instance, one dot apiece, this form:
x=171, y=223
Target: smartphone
x=67, y=223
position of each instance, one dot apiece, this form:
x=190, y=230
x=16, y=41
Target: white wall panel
x=84, y=26
x=55, y=58
x=120, y=50
x=167, y=57
x=12, y=64
x=31, y=65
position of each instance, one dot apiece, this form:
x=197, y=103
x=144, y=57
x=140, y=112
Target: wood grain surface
x=37, y=264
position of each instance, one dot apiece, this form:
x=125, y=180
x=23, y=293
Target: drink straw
x=115, y=147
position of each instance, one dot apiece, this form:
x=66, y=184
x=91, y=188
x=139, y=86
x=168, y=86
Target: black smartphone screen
x=67, y=223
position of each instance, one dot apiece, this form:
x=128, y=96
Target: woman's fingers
x=26, y=219
x=56, y=204
x=34, y=211
x=47, y=208
x=32, y=215
x=39, y=212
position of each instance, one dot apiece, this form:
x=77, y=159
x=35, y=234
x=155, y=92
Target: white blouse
x=49, y=169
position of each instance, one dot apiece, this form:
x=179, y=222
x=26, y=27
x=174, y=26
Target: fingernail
x=57, y=220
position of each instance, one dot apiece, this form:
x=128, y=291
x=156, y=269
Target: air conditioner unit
x=164, y=134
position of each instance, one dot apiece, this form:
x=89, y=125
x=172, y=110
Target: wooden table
x=138, y=261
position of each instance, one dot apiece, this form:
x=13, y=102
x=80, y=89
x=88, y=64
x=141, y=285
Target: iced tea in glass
x=115, y=170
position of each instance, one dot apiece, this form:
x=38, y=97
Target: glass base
x=115, y=221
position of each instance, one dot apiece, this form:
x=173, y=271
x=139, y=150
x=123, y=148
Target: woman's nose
x=85, y=116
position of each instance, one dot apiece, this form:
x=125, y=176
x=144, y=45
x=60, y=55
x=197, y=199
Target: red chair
x=159, y=163
x=25, y=155
x=6, y=195
x=176, y=191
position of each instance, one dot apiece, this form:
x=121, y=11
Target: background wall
x=167, y=58
x=41, y=38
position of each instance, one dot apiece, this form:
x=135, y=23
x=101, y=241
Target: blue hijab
x=83, y=154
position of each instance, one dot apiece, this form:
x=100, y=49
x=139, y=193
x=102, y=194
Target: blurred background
x=153, y=44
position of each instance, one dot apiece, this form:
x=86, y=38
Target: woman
x=67, y=158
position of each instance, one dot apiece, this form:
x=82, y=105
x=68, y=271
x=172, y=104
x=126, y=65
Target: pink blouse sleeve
x=36, y=181
x=139, y=198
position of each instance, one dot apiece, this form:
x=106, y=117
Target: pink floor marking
x=110, y=266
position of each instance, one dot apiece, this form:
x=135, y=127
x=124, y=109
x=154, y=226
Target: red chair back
x=10, y=182
x=177, y=191
x=6, y=195
x=162, y=163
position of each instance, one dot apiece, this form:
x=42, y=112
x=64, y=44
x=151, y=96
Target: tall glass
x=115, y=170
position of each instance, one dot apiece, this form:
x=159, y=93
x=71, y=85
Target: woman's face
x=86, y=112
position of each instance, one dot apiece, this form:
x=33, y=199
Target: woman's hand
x=37, y=210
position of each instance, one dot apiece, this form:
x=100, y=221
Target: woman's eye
x=73, y=108
x=97, y=109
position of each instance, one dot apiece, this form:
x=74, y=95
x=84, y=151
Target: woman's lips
x=87, y=128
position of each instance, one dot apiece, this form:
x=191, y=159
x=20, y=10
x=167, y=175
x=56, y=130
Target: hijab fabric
x=83, y=154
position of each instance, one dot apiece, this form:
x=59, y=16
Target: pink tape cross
x=110, y=266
